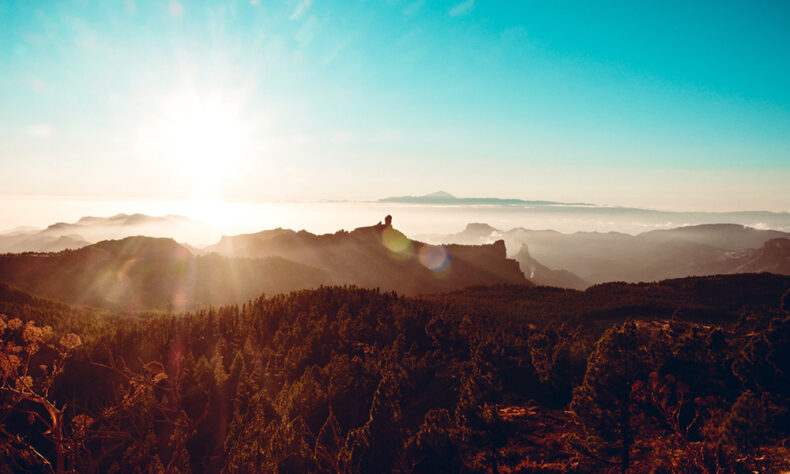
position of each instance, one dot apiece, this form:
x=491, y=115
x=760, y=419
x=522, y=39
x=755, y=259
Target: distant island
x=442, y=197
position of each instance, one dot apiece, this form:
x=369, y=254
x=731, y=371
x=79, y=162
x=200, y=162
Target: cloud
x=255, y=3
x=463, y=8
x=301, y=9
x=130, y=6
x=41, y=130
x=176, y=10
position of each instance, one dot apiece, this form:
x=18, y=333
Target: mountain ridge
x=379, y=255
x=443, y=197
x=91, y=229
x=140, y=272
x=650, y=256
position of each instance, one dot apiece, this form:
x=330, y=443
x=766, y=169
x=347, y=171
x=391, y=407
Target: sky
x=666, y=105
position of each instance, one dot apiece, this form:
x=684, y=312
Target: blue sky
x=677, y=105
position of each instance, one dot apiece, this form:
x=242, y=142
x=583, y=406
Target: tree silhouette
x=601, y=405
x=25, y=393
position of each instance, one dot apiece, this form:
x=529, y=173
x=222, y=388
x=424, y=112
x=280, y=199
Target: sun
x=204, y=141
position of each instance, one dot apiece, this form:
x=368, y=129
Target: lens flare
x=123, y=271
x=397, y=243
x=435, y=258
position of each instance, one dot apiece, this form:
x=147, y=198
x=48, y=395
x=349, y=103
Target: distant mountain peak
x=138, y=244
x=58, y=225
x=443, y=197
x=480, y=227
x=440, y=194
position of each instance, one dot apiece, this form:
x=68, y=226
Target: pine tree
x=601, y=405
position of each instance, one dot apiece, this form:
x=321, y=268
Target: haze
x=670, y=106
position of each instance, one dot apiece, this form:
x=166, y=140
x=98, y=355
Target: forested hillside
x=686, y=375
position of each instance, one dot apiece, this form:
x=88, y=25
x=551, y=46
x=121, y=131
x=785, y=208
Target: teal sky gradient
x=676, y=105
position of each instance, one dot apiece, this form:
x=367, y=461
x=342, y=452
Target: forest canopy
x=685, y=375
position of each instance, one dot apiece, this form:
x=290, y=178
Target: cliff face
x=489, y=261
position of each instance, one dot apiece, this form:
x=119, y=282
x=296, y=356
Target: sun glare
x=204, y=139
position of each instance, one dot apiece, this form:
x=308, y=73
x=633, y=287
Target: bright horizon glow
x=665, y=106
x=214, y=219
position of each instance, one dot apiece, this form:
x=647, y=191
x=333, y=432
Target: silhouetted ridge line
x=596, y=257
x=140, y=272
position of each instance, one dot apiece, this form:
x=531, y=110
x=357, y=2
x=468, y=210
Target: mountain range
x=595, y=257
x=443, y=197
x=138, y=273
x=89, y=229
x=381, y=256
